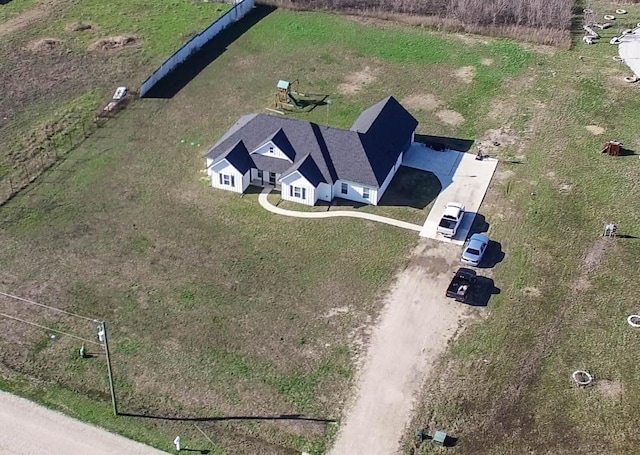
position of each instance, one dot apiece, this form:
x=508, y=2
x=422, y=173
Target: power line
x=50, y=329
x=49, y=307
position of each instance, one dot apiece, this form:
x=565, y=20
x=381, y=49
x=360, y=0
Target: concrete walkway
x=264, y=202
x=30, y=429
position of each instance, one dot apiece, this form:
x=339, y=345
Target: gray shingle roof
x=238, y=156
x=307, y=167
x=364, y=154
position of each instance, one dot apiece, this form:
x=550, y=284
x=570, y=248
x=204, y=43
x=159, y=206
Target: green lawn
x=218, y=308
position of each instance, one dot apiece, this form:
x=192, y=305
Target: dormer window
x=271, y=149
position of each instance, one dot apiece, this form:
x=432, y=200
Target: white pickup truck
x=451, y=219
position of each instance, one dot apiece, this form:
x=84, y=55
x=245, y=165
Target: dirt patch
x=502, y=110
x=595, y=130
x=471, y=40
x=450, y=117
x=427, y=102
x=494, y=138
x=504, y=174
x=487, y=61
x=78, y=27
x=595, y=254
x=27, y=18
x=466, y=74
x=357, y=80
x=115, y=43
x=565, y=188
x=413, y=330
x=610, y=389
x=531, y=291
x=47, y=46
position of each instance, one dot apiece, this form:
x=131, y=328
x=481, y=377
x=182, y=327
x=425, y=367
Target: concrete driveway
x=464, y=179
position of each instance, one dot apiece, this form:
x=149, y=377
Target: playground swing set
x=290, y=100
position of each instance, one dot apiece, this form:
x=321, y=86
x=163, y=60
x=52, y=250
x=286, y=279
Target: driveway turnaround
x=464, y=179
x=264, y=202
x=629, y=50
x=413, y=330
x=29, y=429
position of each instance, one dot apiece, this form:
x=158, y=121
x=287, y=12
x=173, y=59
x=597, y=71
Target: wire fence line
x=42, y=146
x=31, y=302
x=50, y=329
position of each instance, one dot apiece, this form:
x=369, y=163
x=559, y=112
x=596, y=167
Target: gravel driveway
x=413, y=330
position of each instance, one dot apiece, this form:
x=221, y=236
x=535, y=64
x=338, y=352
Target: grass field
x=219, y=309
x=58, y=73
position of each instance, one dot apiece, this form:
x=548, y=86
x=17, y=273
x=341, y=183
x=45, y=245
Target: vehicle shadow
x=484, y=289
x=479, y=224
x=492, y=256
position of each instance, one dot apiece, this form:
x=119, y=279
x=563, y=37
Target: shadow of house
x=440, y=143
x=411, y=188
x=483, y=290
x=184, y=73
x=4, y=2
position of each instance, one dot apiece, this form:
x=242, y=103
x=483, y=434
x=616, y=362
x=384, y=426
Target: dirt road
x=29, y=429
x=413, y=330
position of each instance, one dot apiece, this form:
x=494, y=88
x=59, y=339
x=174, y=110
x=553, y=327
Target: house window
x=297, y=192
x=365, y=193
x=228, y=180
x=270, y=149
x=259, y=174
x=344, y=189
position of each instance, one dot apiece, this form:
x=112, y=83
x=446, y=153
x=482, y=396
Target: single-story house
x=311, y=162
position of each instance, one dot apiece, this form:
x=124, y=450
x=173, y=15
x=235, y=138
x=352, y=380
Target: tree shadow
x=4, y=2
x=296, y=417
x=184, y=73
x=411, y=188
x=440, y=143
x=482, y=292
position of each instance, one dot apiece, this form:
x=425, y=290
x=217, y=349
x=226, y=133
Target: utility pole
x=102, y=336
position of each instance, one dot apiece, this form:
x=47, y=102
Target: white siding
x=354, y=192
x=324, y=192
x=386, y=182
x=240, y=181
x=209, y=162
x=275, y=153
x=297, y=180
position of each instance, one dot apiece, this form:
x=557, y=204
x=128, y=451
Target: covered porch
x=265, y=178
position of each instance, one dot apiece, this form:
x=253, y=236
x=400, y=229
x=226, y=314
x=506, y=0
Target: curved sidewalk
x=262, y=198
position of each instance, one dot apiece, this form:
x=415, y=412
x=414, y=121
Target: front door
x=272, y=178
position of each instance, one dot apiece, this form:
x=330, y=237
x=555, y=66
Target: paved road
x=264, y=202
x=414, y=328
x=29, y=429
